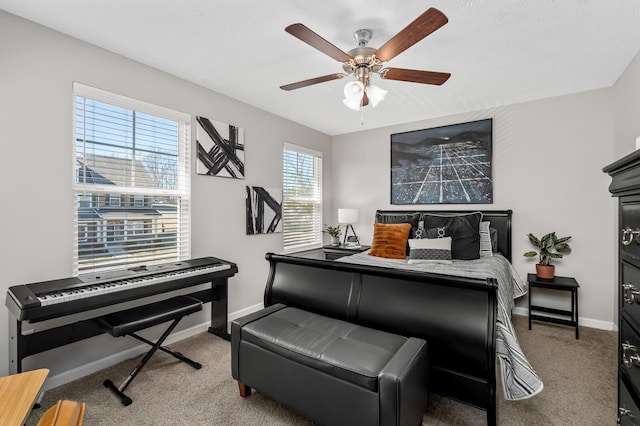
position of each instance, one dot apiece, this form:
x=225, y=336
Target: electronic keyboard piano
x=66, y=307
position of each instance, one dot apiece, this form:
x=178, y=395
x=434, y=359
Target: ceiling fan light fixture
x=375, y=94
x=353, y=90
x=353, y=93
x=353, y=104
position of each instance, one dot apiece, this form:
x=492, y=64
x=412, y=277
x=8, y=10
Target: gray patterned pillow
x=430, y=250
x=485, y=240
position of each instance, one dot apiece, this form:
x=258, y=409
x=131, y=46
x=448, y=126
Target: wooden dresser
x=625, y=184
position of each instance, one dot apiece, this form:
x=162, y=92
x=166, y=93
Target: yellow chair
x=64, y=413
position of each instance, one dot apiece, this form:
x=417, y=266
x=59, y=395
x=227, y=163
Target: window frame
x=138, y=200
x=128, y=194
x=318, y=177
x=115, y=200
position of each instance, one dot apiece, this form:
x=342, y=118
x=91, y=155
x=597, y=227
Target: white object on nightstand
x=349, y=217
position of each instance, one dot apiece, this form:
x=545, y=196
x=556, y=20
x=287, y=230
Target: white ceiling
x=499, y=52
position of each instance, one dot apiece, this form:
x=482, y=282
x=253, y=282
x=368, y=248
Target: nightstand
x=336, y=252
x=557, y=283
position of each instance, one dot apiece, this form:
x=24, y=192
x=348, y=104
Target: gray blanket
x=519, y=380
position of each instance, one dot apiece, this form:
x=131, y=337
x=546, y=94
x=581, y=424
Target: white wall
x=37, y=69
x=547, y=167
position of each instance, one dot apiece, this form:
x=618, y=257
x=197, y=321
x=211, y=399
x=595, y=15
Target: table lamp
x=349, y=217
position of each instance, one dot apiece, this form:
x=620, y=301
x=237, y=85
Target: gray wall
x=626, y=101
x=36, y=166
x=547, y=167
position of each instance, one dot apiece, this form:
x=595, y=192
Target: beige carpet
x=579, y=378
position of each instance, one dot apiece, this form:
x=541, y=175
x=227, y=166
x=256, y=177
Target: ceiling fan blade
x=421, y=27
x=415, y=76
x=314, y=40
x=305, y=83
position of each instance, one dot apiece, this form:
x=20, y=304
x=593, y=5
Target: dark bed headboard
x=500, y=220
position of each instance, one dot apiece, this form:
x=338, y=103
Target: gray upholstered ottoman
x=329, y=370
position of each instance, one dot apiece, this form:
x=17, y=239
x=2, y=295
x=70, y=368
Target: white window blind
x=302, y=198
x=131, y=180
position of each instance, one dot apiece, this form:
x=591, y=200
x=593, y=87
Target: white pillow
x=485, y=239
x=430, y=250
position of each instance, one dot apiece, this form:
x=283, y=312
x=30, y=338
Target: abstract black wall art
x=264, y=210
x=220, y=149
x=443, y=165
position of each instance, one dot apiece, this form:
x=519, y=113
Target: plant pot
x=545, y=272
x=335, y=241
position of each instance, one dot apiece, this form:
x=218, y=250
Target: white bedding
x=519, y=380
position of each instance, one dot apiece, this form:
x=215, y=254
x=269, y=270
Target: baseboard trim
x=245, y=311
x=582, y=321
x=102, y=363
x=108, y=361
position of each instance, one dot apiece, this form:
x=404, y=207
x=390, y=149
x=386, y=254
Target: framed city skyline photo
x=443, y=165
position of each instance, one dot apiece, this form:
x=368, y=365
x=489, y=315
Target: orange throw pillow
x=390, y=240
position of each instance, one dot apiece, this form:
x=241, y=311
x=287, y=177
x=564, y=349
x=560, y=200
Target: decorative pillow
x=494, y=239
x=485, y=239
x=390, y=240
x=430, y=250
x=464, y=230
x=410, y=218
x=437, y=232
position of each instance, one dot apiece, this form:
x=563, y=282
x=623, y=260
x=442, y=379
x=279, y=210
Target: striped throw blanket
x=519, y=380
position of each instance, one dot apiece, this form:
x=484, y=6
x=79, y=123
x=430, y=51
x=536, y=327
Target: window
x=132, y=182
x=85, y=201
x=114, y=201
x=302, y=198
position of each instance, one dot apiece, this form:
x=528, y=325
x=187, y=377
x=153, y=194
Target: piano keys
x=66, y=307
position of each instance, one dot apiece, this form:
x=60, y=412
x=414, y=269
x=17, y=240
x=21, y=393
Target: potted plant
x=549, y=247
x=334, y=232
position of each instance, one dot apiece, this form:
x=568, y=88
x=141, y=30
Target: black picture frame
x=443, y=165
x=263, y=210
x=219, y=149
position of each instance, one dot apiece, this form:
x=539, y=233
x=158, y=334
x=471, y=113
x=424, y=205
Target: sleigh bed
x=462, y=307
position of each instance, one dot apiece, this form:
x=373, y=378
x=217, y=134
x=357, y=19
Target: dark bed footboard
x=456, y=315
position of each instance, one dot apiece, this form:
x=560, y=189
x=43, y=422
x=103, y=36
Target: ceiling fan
x=363, y=61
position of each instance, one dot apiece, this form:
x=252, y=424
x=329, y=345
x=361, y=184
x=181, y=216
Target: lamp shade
x=348, y=216
x=353, y=93
x=353, y=90
x=375, y=94
x=352, y=104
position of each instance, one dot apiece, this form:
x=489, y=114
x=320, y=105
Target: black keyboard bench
x=127, y=322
